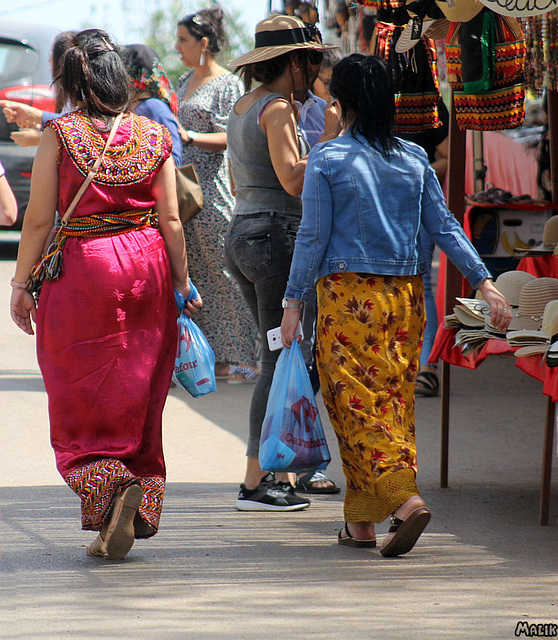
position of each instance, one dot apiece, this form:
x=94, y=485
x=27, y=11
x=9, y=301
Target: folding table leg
x=444, y=448
x=548, y=445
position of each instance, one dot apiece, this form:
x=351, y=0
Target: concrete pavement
x=483, y=565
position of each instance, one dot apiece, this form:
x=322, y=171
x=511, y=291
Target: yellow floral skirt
x=369, y=337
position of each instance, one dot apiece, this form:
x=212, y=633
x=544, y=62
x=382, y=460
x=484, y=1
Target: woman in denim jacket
x=365, y=197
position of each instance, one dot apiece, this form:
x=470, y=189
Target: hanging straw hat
x=460, y=10
x=277, y=35
x=521, y=8
x=427, y=20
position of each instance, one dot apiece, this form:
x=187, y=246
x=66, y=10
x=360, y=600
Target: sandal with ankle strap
x=427, y=384
x=349, y=541
x=405, y=532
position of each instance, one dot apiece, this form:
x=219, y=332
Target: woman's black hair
x=363, y=87
x=267, y=71
x=93, y=72
x=207, y=23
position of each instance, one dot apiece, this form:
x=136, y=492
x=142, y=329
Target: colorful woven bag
x=414, y=76
x=485, y=64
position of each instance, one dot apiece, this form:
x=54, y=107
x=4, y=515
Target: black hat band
x=282, y=37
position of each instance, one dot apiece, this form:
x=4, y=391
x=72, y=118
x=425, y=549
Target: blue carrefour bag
x=194, y=366
x=293, y=437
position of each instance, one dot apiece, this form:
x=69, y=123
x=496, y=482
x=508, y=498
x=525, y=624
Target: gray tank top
x=257, y=187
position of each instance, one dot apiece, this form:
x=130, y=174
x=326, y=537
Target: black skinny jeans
x=258, y=252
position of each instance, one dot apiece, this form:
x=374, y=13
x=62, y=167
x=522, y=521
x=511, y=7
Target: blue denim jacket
x=362, y=212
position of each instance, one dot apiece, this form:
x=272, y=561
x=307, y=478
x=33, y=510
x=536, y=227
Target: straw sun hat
x=533, y=298
x=277, y=35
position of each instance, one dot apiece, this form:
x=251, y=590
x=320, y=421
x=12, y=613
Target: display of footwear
x=306, y=483
x=269, y=496
x=427, y=384
x=120, y=534
x=405, y=532
x=349, y=541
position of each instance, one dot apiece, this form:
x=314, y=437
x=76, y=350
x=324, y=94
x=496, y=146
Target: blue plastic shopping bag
x=293, y=437
x=194, y=366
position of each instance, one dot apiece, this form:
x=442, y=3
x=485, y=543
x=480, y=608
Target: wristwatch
x=191, y=135
x=291, y=304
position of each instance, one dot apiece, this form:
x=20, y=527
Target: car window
x=17, y=62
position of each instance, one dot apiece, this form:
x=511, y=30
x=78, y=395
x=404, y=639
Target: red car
x=25, y=76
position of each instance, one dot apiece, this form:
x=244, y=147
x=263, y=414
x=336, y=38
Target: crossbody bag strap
x=92, y=172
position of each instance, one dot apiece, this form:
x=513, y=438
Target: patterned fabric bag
x=485, y=62
x=414, y=76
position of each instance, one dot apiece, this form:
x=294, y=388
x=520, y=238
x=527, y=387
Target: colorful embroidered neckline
x=127, y=162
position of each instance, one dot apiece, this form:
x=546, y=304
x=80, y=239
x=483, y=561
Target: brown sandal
x=349, y=541
x=117, y=539
x=405, y=532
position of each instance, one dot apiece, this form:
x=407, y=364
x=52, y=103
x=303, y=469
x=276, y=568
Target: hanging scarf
x=148, y=77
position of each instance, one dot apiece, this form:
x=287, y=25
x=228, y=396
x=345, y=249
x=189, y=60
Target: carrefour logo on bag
x=184, y=339
x=305, y=413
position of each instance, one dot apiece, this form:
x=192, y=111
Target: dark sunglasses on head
x=315, y=57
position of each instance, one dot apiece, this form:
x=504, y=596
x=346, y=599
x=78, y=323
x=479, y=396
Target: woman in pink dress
x=106, y=327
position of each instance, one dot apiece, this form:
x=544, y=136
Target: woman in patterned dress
x=206, y=96
x=365, y=197
x=106, y=327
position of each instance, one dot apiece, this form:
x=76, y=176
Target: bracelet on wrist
x=191, y=137
x=18, y=285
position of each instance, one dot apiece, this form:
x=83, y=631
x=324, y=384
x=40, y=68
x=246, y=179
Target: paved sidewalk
x=483, y=565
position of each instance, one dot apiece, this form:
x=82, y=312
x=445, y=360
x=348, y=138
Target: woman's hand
x=193, y=306
x=23, y=309
x=332, y=123
x=289, y=324
x=500, y=309
x=26, y=137
x=22, y=114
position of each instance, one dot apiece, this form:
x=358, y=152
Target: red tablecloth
x=540, y=266
x=444, y=349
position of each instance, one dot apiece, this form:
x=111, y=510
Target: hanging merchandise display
x=415, y=79
x=486, y=60
x=541, y=41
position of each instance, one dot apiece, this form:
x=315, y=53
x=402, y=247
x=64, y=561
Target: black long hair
x=93, y=72
x=267, y=71
x=363, y=87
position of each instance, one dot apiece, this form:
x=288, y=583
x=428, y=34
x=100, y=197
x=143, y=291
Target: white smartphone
x=274, y=337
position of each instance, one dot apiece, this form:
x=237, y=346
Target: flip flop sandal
x=120, y=533
x=427, y=384
x=242, y=375
x=405, y=532
x=349, y=541
x=305, y=483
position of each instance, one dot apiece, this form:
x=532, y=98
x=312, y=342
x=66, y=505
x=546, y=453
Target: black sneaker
x=268, y=496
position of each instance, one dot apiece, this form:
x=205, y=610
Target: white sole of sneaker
x=249, y=505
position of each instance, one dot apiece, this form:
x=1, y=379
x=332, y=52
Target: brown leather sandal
x=405, y=532
x=349, y=541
